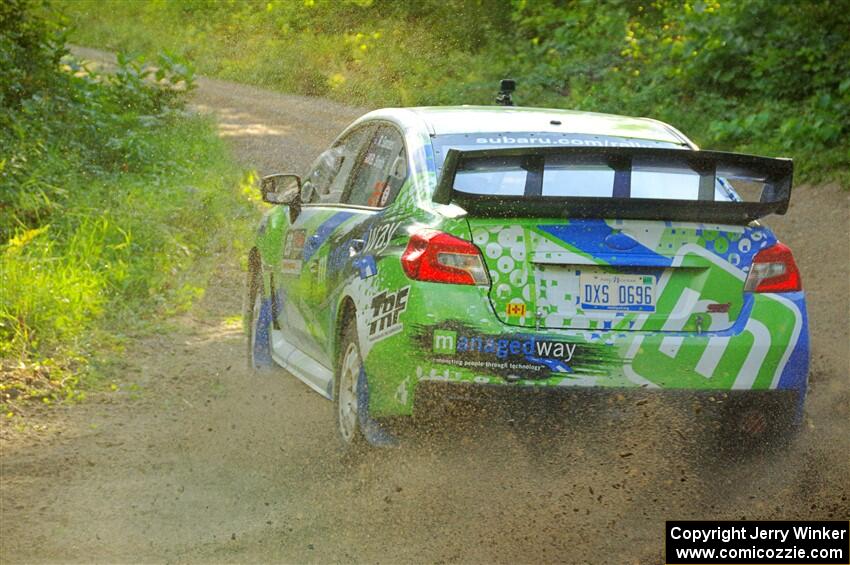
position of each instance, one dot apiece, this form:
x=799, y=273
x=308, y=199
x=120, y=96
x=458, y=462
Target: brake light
x=435, y=256
x=773, y=270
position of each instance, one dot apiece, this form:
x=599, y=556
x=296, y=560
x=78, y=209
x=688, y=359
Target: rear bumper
x=766, y=351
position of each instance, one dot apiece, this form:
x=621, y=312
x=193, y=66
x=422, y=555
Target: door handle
x=314, y=239
x=355, y=246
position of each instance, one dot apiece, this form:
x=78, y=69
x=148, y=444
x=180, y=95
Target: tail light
x=435, y=256
x=773, y=270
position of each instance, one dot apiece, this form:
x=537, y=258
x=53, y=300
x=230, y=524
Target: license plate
x=632, y=293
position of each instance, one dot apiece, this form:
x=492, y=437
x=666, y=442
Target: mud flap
x=376, y=434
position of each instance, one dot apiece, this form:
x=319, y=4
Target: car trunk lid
x=615, y=274
x=673, y=258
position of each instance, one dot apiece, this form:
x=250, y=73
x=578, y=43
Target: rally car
x=441, y=249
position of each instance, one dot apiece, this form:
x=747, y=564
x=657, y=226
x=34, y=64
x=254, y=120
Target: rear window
x=565, y=176
x=495, y=179
x=559, y=179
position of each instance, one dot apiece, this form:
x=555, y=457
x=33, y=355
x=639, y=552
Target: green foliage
x=760, y=75
x=61, y=118
x=30, y=49
x=110, y=193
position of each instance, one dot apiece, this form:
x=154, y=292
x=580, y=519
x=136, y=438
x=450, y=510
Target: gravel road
x=194, y=459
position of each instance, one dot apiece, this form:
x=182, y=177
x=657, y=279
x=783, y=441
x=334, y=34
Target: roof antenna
x=506, y=89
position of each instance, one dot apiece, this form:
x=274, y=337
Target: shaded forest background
x=761, y=76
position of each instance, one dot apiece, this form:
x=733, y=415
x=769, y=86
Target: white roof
x=492, y=119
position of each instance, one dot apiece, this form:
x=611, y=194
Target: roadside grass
x=115, y=203
x=128, y=250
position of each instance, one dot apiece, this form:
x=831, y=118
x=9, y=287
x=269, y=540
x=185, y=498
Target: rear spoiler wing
x=774, y=175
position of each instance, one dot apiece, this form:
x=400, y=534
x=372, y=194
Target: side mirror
x=281, y=189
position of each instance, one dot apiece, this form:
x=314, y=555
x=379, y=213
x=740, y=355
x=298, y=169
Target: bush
x=108, y=191
x=748, y=76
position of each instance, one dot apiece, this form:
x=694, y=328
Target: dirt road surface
x=196, y=460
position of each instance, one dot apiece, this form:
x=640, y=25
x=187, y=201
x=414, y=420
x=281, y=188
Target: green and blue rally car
x=440, y=249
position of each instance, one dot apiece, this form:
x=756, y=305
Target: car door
x=319, y=215
x=319, y=193
x=346, y=241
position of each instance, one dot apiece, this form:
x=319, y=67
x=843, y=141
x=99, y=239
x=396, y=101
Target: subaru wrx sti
x=442, y=249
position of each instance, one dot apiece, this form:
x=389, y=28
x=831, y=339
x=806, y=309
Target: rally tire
x=347, y=402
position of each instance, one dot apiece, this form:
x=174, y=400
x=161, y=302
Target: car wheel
x=347, y=382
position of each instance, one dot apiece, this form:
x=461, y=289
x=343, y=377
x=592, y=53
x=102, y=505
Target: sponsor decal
x=377, y=196
x=374, y=160
x=386, y=308
x=385, y=195
x=290, y=266
x=515, y=309
x=366, y=266
x=379, y=237
x=511, y=356
x=376, y=238
x=448, y=342
x=293, y=246
x=322, y=271
x=568, y=141
x=445, y=342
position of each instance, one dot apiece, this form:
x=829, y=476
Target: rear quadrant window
x=381, y=171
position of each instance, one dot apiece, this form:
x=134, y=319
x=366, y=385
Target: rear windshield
x=565, y=176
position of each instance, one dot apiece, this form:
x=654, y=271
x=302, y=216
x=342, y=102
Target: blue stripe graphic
x=323, y=232
x=589, y=237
